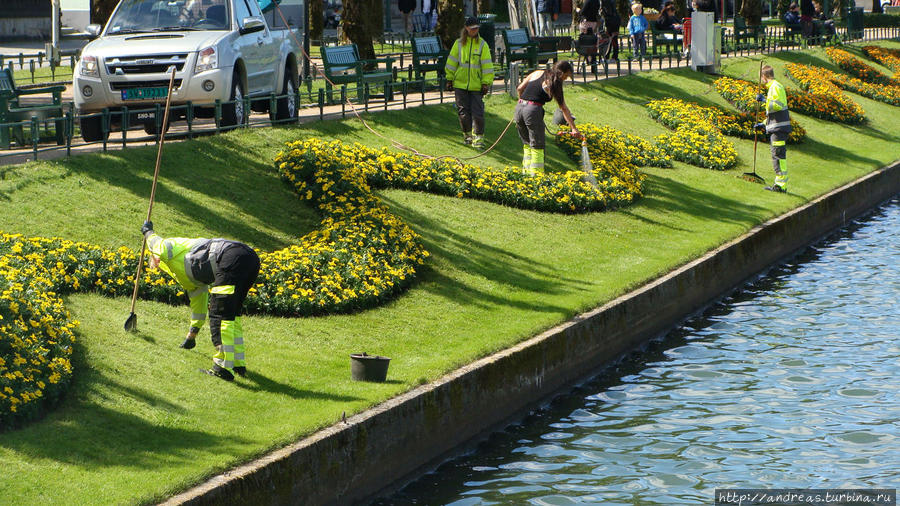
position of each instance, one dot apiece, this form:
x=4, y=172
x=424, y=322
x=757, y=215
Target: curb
x=375, y=452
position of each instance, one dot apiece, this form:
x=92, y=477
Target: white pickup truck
x=221, y=50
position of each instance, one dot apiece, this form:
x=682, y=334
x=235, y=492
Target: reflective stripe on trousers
x=779, y=159
x=231, y=354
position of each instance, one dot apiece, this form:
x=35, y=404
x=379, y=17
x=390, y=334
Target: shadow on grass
x=97, y=437
x=835, y=153
x=221, y=169
x=671, y=196
x=257, y=382
x=490, y=262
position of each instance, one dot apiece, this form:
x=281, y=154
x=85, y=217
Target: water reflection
x=791, y=383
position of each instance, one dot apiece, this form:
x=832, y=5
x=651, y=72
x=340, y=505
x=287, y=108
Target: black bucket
x=364, y=367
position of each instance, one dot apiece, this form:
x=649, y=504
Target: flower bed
x=890, y=58
x=36, y=339
x=696, y=139
x=670, y=112
x=855, y=67
x=868, y=81
x=612, y=149
x=824, y=102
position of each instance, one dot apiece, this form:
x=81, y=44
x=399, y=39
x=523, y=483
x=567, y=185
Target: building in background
x=30, y=19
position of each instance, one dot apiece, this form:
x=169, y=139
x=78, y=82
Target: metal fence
x=313, y=103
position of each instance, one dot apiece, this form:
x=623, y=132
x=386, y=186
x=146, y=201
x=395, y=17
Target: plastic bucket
x=365, y=367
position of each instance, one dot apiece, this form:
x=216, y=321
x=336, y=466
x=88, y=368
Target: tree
x=450, y=20
x=101, y=10
x=356, y=28
x=316, y=19
x=751, y=11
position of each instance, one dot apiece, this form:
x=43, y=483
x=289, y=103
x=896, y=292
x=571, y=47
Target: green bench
x=519, y=47
x=792, y=31
x=342, y=65
x=428, y=56
x=12, y=110
x=743, y=33
x=667, y=38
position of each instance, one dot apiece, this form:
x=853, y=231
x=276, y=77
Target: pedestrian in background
x=547, y=10
x=612, y=22
x=540, y=87
x=470, y=73
x=777, y=125
x=216, y=274
x=637, y=25
x=406, y=7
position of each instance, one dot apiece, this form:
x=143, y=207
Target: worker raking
x=216, y=274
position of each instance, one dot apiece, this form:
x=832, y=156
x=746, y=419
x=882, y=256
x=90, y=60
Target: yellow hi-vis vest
x=778, y=119
x=172, y=253
x=469, y=66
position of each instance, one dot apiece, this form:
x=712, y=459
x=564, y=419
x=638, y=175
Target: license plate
x=144, y=93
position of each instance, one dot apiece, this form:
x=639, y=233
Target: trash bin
x=486, y=30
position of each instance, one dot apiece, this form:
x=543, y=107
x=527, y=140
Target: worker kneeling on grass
x=215, y=273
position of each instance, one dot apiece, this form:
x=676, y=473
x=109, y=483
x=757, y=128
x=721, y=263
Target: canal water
x=792, y=383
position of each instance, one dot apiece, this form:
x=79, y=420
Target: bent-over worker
x=216, y=274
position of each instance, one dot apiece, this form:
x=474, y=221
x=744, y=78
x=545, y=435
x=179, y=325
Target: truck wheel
x=286, y=107
x=92, y=129
x=150, y=127
x=234, y=113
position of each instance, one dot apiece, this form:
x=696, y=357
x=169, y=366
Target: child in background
x=637, y=25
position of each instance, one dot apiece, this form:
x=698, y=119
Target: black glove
x=484, y=89
x=760, y=98
x=189, y=343
x=759, y=126
x=147, y=227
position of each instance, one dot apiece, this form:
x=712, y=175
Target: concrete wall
x=375, y=451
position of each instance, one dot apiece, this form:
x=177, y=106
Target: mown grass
x=141, y=422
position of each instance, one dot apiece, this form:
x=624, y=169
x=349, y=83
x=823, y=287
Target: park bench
x=743, y=33
x=667, y=38
x=548, y=47
x=13, y=110
x=792, y=31
x=342, y=65
x=519, y=47
x=428, y=56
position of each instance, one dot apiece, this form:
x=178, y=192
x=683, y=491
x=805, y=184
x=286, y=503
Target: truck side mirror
x=93, y=30
x=252, y=24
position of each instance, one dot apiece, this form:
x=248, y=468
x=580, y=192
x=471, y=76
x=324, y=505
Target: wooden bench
x=342, y=65
x=519, y=47
x=428, y=56
x=668, y=38
x=12, y=110
x=744, y=33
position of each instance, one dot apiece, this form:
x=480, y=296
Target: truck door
x=261, y=71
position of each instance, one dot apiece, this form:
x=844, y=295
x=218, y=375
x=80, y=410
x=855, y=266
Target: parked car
x=221, y=50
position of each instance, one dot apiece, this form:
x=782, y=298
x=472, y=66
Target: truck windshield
x=134, y=16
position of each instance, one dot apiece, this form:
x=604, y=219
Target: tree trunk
x=623, y=7
x=316, y=19
x=101, y=10
x=355, y=28
x=751, y=11
x=450, y=21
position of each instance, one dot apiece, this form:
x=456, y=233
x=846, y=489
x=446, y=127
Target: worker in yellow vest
x=216, y=274
x=777, y=125
x=470, y=72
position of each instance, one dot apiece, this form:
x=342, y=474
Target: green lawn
x=141, y=423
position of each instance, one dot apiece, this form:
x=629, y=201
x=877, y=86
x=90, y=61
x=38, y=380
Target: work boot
x=241, y=371
x=220, y=372
x=775, y=188
x=478, y=141
x=189, y=343
x=467, y=140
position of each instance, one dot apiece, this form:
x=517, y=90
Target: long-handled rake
x=753, y=177
x=131, y=321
